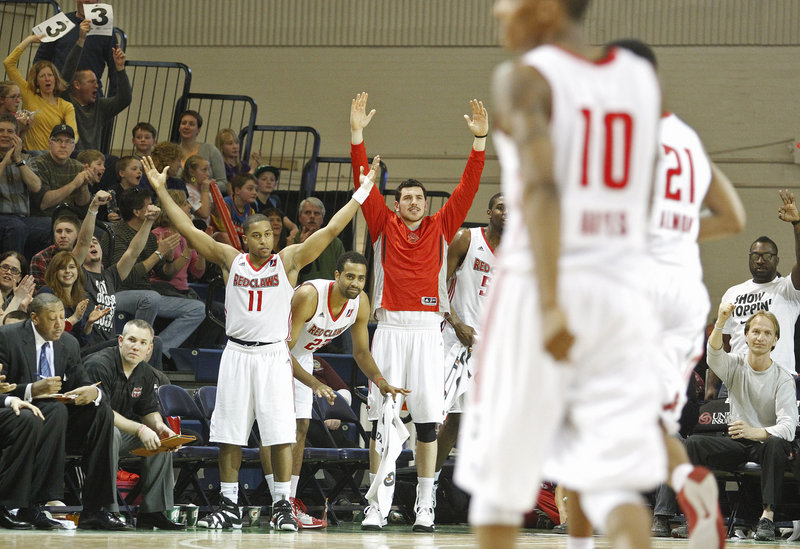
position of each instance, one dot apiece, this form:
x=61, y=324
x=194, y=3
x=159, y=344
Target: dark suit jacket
x=18, y=357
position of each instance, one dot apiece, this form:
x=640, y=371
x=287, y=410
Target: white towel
x=389, y=439
x=457, y=377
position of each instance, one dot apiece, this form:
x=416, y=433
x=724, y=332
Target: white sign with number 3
x=102, y=18
x=54, y=28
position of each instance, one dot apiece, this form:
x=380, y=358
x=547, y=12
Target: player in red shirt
x=410, y=296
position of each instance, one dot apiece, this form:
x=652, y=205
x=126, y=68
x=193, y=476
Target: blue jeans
x=186, y=314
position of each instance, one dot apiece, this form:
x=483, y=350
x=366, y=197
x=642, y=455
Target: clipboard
x=60, y=397
x=166, y=444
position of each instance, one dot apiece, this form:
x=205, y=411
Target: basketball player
x=470, y=258
x=568, y=320
x=255, y=377
x=321, y=311
x=410, y=297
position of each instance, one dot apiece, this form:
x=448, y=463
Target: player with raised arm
x=321, y=311
x=568, y=320
x=410, y=298
x=256, y=370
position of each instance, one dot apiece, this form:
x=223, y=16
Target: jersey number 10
x=617, y=125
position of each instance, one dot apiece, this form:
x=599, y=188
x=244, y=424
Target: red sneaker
x=699, y=501
x=304, y=520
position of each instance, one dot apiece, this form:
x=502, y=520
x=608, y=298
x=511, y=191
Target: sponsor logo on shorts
x=137, y=392
x=430, y=301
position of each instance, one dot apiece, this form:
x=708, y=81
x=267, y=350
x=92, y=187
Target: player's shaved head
x=493, y=200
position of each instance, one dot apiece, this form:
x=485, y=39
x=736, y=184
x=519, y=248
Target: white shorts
x=303, y=395
x=407, y=347
x=682, y=307
x=255, y=383
x=595, y=418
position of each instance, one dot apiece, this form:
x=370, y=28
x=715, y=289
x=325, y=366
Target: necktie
x=44, y=362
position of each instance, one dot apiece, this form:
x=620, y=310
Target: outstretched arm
x=478, y=124
x=359, y=119
x=298, y=256
x=221, y=254
x=138, y=242
x=524, y=97
x=87, y=227
x=788, y=212
x=727, y=211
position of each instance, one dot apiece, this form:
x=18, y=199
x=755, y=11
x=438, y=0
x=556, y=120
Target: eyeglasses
x=16, y=96
x=766, y=256
x=13, y=270
x=63, y=141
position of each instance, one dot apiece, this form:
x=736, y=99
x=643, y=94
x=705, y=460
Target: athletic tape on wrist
x=361, y=194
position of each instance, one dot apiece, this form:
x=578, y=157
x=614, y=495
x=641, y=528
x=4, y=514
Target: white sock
x=282, y=490
x=271, y=484
x=424, y=491
x=436, y=476
x=230, y=490
x=295, y=481
x=580, y=543
x=679, y=476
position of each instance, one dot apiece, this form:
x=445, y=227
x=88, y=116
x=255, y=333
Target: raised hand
x=16, y=148
x=119, y=58
x=83, y=30
x=80, y=309
x=788, y=210
x=255, y=156
x=724, y=313
x=157, y=180
x=368, y=181
x=152, y=212
x=479, y=123
x=25, y=289
x=101, y=198
x=359, y=119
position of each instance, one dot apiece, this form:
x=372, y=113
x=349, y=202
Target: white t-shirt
x=780, y=298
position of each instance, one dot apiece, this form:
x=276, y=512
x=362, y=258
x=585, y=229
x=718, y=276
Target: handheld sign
x=54, y=28
x=101, y=17
x=225, y=216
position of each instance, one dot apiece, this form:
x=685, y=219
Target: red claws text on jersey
x=267, y=282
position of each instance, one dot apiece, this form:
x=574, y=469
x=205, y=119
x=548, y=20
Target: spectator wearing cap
x=17, y=182
x=64, y=179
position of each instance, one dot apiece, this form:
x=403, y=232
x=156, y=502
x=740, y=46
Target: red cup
x=174, y=424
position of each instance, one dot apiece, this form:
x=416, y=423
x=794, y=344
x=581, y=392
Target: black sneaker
x=765, y=531
x=282, y=516
x=661, y=527
x=226, y=515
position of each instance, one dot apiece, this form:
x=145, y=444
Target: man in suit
x=20, y=430
x=43, y=360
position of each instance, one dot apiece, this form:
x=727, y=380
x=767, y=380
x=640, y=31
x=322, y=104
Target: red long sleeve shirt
x=411, y=266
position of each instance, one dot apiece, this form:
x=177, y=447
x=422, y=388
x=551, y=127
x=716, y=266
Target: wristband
x=718, y=328
x=378, y=381
x=142, y=428
x=481, y=136
x=90, y=212
x=160, y=255
x=361, y=194
x=20, y=163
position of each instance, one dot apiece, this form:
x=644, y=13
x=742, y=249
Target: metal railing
x=17, y=19
x=219, y=111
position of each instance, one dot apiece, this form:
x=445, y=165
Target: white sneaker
x=304, y=520
x=373, y=520
x=424, y=522
x=700, y=504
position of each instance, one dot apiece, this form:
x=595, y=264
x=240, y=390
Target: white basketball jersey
x=603, y=128
x=258, y=301
x=682, y=179
x=326, y=324
x=470, y=283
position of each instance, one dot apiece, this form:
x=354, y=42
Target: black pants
x=19, y=436
x=89, y=432
x=727, y=454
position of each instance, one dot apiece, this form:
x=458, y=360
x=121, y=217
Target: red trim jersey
x=411, y=266
x=326, y=324
x=470, y=284
x=258, y=302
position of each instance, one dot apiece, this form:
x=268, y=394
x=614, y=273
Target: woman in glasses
x=11, y=103
x=16, y=287
x=41, y=93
